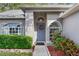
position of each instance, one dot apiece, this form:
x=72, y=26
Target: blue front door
x=41, y=33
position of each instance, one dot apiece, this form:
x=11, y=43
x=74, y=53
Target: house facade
x=35, y=21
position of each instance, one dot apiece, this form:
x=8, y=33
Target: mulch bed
x=54, y=52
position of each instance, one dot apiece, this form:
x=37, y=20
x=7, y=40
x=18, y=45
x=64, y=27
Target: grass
x=15, y=54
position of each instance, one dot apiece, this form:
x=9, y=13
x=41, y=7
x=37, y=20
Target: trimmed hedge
x=15, y=42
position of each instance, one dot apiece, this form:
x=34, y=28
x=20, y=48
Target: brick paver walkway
x=40, y=50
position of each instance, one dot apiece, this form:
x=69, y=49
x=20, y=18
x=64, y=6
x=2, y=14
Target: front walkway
x=40, y=50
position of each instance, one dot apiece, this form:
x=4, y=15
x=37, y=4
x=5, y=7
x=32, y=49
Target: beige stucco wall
x=52, y=16
x=29, y=25
x=71, y=27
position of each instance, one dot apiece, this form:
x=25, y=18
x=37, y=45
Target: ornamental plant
x=64, y=44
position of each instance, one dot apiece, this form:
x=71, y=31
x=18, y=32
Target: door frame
x=44, y=30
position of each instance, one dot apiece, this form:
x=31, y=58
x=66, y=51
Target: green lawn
x=15, y=54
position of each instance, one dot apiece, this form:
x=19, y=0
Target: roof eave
x=67, y=13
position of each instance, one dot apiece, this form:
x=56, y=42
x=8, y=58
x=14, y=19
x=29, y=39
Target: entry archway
x=54, y=26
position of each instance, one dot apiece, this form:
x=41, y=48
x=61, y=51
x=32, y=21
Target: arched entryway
x=55, y=26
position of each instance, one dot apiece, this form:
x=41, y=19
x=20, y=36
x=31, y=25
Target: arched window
x=12, y=28
x=54, y=27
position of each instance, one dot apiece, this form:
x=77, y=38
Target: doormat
x=40, y=43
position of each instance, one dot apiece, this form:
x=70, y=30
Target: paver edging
x=15, y=50
x=48, y=51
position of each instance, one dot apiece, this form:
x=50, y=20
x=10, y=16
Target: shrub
x=15, y=41
x=68, y=46
x=57, y=39
x=57, y=42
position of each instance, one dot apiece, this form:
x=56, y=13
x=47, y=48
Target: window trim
x=5, y=28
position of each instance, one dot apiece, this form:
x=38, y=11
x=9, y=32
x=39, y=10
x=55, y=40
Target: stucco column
x=47, y=34
x=29, y=24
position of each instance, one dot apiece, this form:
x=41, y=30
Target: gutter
x=67, y=13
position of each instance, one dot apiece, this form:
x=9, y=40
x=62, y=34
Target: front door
x=41, y=32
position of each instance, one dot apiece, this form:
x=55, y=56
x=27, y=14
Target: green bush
x=67, y=45
x=57, y=42
x=15, y=41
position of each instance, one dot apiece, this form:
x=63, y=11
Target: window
x=11, y=28
x=54, y=27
